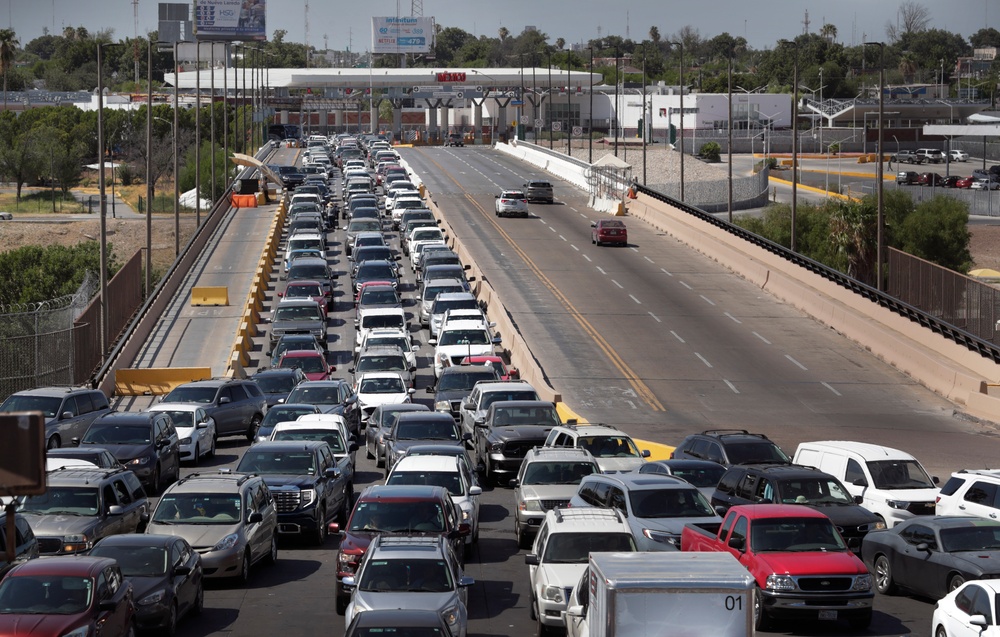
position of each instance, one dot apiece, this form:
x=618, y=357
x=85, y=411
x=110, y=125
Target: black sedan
x=165, y=573
x=933, y=556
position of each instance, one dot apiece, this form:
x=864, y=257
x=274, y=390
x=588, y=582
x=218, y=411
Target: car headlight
x=442, y=358
x=308, y=496
x=82, y=631
x=466, y=515
x=227, y=542
x=442, y=405
x=553, y=594
x=862, y=583
x=662, y=537
x=77, y=542
x=152, y=598
x=879, y=525
x=496, y=447
x=777, y=582
x=450, y=616
x=139, y=461
x=185, y=441
x=530, y=505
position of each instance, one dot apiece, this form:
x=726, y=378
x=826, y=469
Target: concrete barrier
x=156, y=380
x=210, y=295
x=657, y=451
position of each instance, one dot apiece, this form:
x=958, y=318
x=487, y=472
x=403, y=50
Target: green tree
x=711, y=152
x=32, y=274
x=985, y=37
x=937, y=230
x=8, y=50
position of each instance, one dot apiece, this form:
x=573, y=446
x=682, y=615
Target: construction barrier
x=213, y=295
x=244, y=201
x=156, y=381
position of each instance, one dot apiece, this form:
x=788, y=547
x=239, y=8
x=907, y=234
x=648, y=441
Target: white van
x=379, y=317
x=893, y=484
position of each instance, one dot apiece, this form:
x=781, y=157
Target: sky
x=341, y=25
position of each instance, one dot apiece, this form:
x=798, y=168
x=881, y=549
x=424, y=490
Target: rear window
x=382, y=320
x=952, y=485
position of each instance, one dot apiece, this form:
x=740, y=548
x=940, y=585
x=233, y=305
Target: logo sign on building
x=451, y=77
x=402, y=34
x=230, y=19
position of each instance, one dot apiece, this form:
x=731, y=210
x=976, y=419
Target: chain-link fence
x=713, y=196
x=36, y=340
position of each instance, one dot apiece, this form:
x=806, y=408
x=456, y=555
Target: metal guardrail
x=952, y=333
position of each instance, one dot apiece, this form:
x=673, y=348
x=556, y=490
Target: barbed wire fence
x=37, y=340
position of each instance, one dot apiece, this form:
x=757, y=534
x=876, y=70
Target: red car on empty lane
x=608, y=231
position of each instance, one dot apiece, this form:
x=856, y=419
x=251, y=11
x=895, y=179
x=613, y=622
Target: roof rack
x=726, y=431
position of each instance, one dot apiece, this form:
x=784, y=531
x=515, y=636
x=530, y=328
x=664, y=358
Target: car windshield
x=448, y=479
x=463, y=381
x=379, y=297
x=431, y=291
x=275, y=383
x=61, y=500
x=815, y=491
x=118, y=434
x=754, y=452
x=557, y=472
x=198, y=508
x=443, y=305
x=314, y=395
x=181, y=418
x=306, y=244
x=381, y=386
x=308, y=271
x=308, y=364
x=526, y=416
x=364, y=242
x=494, y=396
x=899, y=474
x=669, y=503
x=464, y=337
x=136, y=561
x=383, y=320
x=970, y=538
x=387, y=630
x=48, y=405
x=575, y=548
x=298, y=313
x=403, y=516
x=365, y=225
x=373, y=253
x=200, y=395
x=326, y=435
x=794, y=535
x=700, y=476
x=277, y=462
x=375, y=271
x=431, y=234
x=406, y=576
x=401, y=342
x=305, y=252
x=382, y=363
x=609, y=446
x=278, y=414
x=426, y=431
x=612, y=223
x=45, y=595
x=303, y=291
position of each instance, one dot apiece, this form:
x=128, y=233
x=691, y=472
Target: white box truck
x=662, y=594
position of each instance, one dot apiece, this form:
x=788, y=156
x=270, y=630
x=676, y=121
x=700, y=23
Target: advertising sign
x=230, y=19
x=402, y=34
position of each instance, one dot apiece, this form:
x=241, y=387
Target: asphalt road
x=653, y=338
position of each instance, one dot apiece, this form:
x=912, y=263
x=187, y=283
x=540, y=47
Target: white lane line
x=707, y=300
x=655, y=317
x=572, y=208
x=677, y=336
x=731, y=386
x=620, y=286
x=703, y=359
x=735, y=320
x=586, y=257
x=665, y=272
x=583, y=215
x=801, y=366
x=827, y=385
x=761, y=338
x=574, y=247
x=552, y=229
x=648, y=259
x=686, y=285
x=635, y=299
x=601, y=270
x=634, y=249
x=543, y=221
x=562, y=237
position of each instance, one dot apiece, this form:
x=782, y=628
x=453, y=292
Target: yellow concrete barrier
x=211, y=295
x=156, y=380
x=657, y=451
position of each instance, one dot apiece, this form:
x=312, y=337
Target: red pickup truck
x=802, y=565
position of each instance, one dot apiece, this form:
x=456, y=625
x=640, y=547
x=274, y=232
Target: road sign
x=557, y=126
x=539, y=122
x=517, y=102
x=578, y=130
x=525, y=119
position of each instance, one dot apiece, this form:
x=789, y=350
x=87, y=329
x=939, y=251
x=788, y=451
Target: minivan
x=892, y=484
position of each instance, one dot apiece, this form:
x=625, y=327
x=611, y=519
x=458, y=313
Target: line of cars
x=980, y=179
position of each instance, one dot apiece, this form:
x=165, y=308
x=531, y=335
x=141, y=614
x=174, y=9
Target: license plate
x=827, y=615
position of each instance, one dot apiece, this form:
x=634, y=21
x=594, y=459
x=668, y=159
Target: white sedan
x=512, y=203
x=195, y=429
x=968, y=611
x=958, y=155
x=380, y=388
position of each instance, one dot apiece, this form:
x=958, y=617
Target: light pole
x=103, y=201
x=680, y=132
x=177, y=187
x=729, y=118
x=750, y=92
x=645, y=126
x=197, y=136
x=795, y=141
x=569, y=109
x=947, y=157
x=615, y=120
x=590, y=128
x=880, y=238
x=548, y=105
x=149, y=168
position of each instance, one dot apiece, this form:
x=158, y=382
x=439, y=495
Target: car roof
x=172, y=407
x=380, y=375
x=330, y=382
x=515, y=404
x=784, y=470
x=866, y=450
x=503, y=385
x=209, y=482
x=426, y=416
x=540, y=454
x=436, y=450
x=66, y=566
x=426, y=463
x=76, y=475
x=284, y=446
x=634, y=481
x=278, y=371
x=53, y=391
x=130, y=417
x=404, y=492
x=138, y=540
x=310, y=260
x=463, y=324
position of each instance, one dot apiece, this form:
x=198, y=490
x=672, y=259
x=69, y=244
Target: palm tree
x=907, y=67
x=654, y=34
x=8, y=47
x=560, y=43
x=503, y=33
x=829, y=31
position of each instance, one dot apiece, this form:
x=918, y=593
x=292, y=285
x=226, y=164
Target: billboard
x=230, y=19
x=402, y=34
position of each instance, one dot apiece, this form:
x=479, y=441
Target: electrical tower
x=417, y=8
x=805, y=24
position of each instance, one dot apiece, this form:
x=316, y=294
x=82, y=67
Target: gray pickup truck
x=909, y=157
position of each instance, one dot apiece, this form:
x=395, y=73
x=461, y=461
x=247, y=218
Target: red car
x=497, y=363
x=964, y=182
x=609, y=231
x=367, y=284
x=313, y=364
x=303, y=289
x=930, y=179
x=58, y=596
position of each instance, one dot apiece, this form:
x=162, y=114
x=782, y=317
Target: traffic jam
x=127, y=542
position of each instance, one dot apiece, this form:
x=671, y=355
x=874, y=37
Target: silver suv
x=68, y=411
x=487, y=392
x=230, y=519
x=548, y=479
x=614, y=449
x=538, y=191
x=237, y=406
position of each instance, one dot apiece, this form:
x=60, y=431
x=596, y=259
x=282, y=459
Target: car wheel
x=955, y=581
x=379, y=460
x=342, y=603
x=860, y=620
x=131, y=630
x=760, y=619
x=542, y=628
x=320, y=533
x=883, y=576
x=368, y=452
x=53, y=443
x=272, y=555
x=531, y=608
x=199, y=600
x=522, y=538
x=344, y=512
x=197, y=453
x=215, y=442
x=940, y=632
x=154, y=483
x=243, y=577
x=170, y=628
x=254, y=426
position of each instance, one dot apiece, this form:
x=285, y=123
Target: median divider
x=657, y=451
x=155, y=381
x=210, y=295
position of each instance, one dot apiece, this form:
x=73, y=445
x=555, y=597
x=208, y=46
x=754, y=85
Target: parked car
x=958, y=155
x=964, y=182
x=971, y=610
x=145, y=442
x=68, y=411
x=932, y=155
x=909, y=157
x=930, y=179
x=907, y=177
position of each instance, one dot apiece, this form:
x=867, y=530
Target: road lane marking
x=655, y=317
x=703, y=359
x=827, y=385
x=707, y=300
x=635, y=299
x=601, y=270
x=574, y=247
x=620, y=286
x=731, y=386
x=677, y=336
x=735, y=320
x=634, y=249
x=761, y=338
x=803, y=367
x=665, y=272
x=552, y=229
x=686, y=285
x=648, y=259
x=562, y=237
x=587, y=258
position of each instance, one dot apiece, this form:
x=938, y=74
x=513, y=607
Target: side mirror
x=924, y=547
x=350, y=370
x=497, y=340
x=860, y=482
x=351, y=448
x=202, y=425
x=738, y=543
x=858, y=499
x=593, y=224
x=466, y=581
x=645, y=453
x=475, y=490
x=935, y=479
x=255, y=517
x=430, y=390
x=181, y=571
x=514, y=483
x=115, y=509
x=76, y=442
x=466, y=437
x=469, y=406
x=348, y=583
x=225, y=400
x=854, y=543
x=721, y=511
x=416, y=348
x=531, y=559
x=110, y=605
x=333, y=528
x=432, y=341
x=411, y=391
x=65, y=415
x=979, y=620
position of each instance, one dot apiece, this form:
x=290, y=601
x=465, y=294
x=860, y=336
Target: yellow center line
x=641, y=389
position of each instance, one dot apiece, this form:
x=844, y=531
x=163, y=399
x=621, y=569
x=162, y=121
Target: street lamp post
x=149, y=168
x=590, y=128
x=103, y=201
x=729, y=152
x=569, y=109
x=197, y=130
x=645, y=127
x=880, y=238
x=615, y=120
x=680, y=131
x=548, y=105
x=177, y=191
x=795, y=142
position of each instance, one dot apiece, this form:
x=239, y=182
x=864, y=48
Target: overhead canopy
x=246, y=160
x=610, y=161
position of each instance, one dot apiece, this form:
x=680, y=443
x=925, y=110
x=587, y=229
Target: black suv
x=454, y=139
x=455, y=384
x=538, y=191
x=305, y=480
x=68, y=411
x=145, y=442
x=81, y=506
x=796, y=484
x=511, y=429
x=277, y=383
x=729, y=447
x=238, y=406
